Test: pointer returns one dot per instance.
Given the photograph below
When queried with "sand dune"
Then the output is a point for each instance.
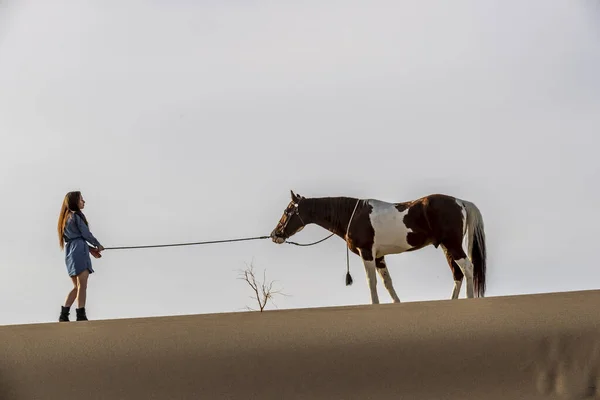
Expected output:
(543, 346)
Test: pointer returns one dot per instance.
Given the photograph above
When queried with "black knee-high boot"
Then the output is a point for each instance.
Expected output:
(81, 314)
(64, 314)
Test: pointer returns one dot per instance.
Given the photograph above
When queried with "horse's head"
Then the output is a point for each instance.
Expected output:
(290, 222)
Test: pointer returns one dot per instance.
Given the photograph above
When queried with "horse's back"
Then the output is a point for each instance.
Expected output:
(383, 209)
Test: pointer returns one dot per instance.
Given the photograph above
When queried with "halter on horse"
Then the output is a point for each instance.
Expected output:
(373, 229)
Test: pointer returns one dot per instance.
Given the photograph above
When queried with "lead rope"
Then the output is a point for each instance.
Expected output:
(211, 242)
(348, 276)
(186, 244)
(310, 244)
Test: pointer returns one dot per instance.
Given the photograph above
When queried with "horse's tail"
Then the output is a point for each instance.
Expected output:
(476, 247)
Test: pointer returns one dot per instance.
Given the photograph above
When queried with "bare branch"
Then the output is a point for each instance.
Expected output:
(263, 291)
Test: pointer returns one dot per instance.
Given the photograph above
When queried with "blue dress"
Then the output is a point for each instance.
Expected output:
(77, 252)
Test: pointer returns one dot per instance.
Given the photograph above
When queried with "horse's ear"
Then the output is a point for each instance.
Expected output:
(295, 197)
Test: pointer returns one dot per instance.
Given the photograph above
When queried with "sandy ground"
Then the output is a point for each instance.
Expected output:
(543, 346)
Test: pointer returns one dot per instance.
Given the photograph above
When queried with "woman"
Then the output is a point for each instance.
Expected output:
(73, 235)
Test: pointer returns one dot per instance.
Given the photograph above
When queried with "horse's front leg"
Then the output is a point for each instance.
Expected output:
(370, 269)
(387, 278)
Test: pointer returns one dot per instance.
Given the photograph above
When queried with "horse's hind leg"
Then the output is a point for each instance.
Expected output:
(456, 273)
(387, 279)
(466, 266)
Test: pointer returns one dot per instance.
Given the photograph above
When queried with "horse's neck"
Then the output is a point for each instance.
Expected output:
(331, 213)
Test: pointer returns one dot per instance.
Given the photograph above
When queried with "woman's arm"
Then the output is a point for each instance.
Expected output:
(85, 232)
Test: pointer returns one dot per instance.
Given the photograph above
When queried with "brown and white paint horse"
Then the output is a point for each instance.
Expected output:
(373, 229)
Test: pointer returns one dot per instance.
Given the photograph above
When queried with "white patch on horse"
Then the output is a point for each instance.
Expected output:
(465, 226)
(390, 231)
(463, 212)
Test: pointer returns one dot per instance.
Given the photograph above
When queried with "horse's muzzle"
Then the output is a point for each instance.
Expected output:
(276, 238)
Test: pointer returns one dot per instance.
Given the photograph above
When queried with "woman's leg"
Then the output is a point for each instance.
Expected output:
(72, 294)
(82, 280)
(64, 310)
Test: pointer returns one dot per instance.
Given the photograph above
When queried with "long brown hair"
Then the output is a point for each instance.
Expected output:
(70, 205)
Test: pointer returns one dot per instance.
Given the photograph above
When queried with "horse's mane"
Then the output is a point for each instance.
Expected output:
(334, 210)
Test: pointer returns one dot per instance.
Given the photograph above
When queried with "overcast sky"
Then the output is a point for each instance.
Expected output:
(192, 120)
